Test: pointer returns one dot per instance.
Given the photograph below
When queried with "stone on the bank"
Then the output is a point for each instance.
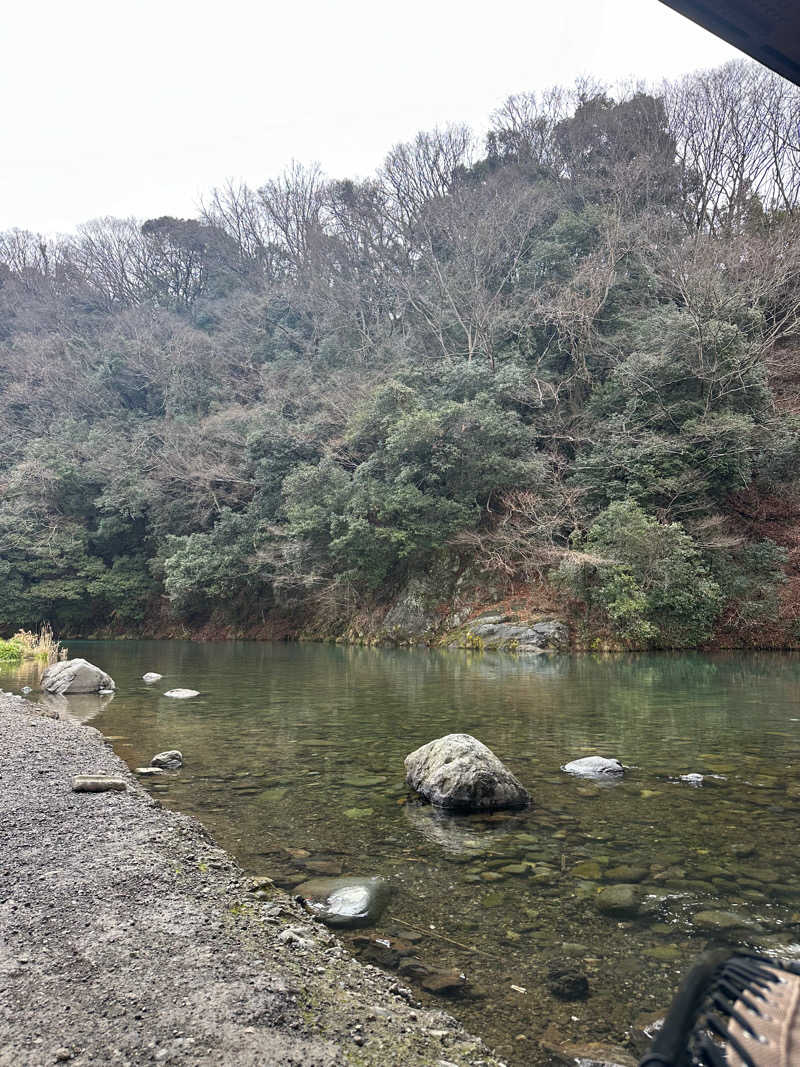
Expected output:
(621, 901)
(345, 902)
(97, 783)
(182, 694)
(75, 676)
(169, 761)
(151, 677)
(594, 767)
(459, 773)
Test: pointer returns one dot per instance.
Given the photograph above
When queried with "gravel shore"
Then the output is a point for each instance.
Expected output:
(128, 937)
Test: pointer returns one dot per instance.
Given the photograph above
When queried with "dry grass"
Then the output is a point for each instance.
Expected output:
(41, 646)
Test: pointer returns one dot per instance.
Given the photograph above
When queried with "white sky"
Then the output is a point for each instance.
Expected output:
(139, 107)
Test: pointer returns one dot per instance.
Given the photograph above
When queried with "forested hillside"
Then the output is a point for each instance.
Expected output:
(562, 357)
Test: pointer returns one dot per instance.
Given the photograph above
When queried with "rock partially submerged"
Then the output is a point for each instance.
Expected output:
(182, 694)
(151, 677)
(345, 902)
(460, 773)
(595, 767)
(168, 761)
(76, 676)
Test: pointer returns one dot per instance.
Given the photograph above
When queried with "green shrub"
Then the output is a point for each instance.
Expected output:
(647, 577)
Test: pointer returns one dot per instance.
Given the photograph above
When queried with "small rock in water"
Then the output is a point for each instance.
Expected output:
(148, 772)
(97, 783)
(594, 767)
(622, 901)
(170, 760)
(594, 1054)
(345, 902)
(322, 866)
(692, 779)
(444, 982)
(459, 773)
(182, 694)
(151, 677)
(714, 921)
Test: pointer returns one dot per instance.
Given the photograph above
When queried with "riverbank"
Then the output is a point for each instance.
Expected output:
(129, 937)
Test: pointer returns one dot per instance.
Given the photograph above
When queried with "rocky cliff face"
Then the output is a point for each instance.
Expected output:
(451, 607)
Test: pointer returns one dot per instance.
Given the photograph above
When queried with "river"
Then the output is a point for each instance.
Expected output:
(294, 760)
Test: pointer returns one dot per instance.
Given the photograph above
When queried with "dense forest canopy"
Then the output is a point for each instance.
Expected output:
(565, 354)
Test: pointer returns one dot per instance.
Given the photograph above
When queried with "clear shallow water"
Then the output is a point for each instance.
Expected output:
(294, 756)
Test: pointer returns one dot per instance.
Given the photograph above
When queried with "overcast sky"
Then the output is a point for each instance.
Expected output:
(138, 108)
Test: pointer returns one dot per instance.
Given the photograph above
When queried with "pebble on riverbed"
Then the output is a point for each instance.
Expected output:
(182, 694)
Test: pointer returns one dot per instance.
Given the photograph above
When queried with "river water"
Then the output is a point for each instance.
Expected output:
(294, 760)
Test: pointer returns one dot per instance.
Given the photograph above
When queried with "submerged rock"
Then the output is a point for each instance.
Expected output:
(566, 980)
(594, 767)
(621, 901)
(445, 983)
(717, 922)
(151, 677)
(345, 902)
(459, 773)
(182, 694)
(595, 1054)
(76, 676)
(169, 761)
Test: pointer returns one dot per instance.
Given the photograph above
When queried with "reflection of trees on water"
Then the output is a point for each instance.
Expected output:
(454, 833)
(15, 676)
(372, 706)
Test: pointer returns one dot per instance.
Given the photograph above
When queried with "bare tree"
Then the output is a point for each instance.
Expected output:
(423, 170)
(738, 145)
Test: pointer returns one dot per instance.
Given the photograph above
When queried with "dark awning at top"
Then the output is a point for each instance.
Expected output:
(767, 30)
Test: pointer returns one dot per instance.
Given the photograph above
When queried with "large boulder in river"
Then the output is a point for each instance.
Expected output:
(459, 773)
(345, 902)
(75, 676)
